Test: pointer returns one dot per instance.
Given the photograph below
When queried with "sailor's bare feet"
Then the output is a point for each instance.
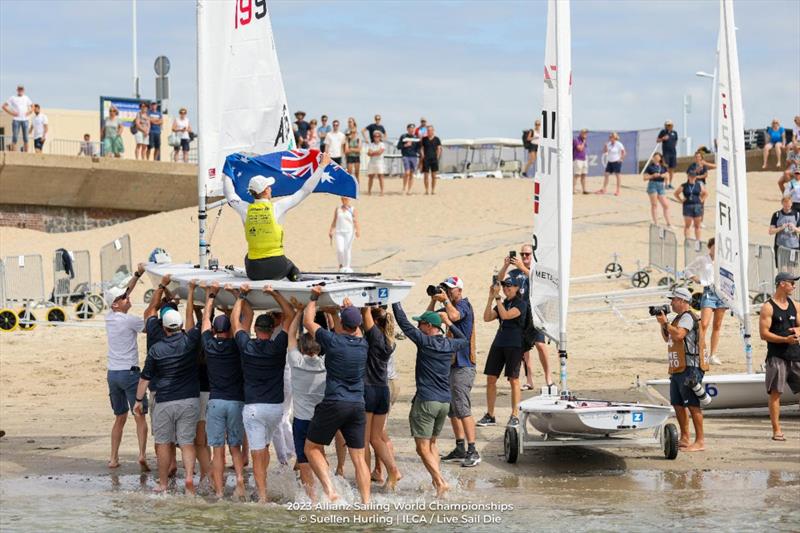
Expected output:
(340, 471)
(683, 442)
(160, 489)
(332, 497)
(695, 447)
(190, 486)
(441, 490)
(113, 463)
(601, 191)
(143, 466)
(173, 471)
(238, 492)
(376, 477)
(394, 477)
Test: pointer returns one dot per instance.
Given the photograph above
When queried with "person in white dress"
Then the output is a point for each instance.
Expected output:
(375, 167)
(344, 229)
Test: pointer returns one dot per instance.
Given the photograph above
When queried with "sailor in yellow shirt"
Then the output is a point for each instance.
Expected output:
(263, 224)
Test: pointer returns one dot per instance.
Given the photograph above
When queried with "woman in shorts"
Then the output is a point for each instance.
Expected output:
(376, 167)
(614, 152)
(532, 145)
(182, 129)
(654, 175)
(352, 152)
(701, 270)
(692, 195)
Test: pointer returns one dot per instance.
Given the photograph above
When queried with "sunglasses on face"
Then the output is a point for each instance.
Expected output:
(525, 254)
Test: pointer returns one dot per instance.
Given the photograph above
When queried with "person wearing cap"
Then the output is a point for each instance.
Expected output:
(507, 348)
(580, 166)
(523, 264)
(431, 403)
(687, 366)
(224, 417)
(122, 330)
(342, 407)
(263, 224)
(779, 326)
(173, 361)
(263, 360)
(668, 138)
(785, 225)
(462, 371)
(19, 107)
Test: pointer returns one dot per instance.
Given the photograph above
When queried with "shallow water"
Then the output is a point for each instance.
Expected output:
(636, 500)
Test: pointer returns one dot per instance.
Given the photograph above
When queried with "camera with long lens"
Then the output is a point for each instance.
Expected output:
(433, 290)
(699, 391)
(656, 310)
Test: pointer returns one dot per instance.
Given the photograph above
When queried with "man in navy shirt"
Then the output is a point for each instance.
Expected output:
(668, 138)
(342, 407)
(370, 130)
(173, 361)
(431, 403)
(408, 144)
(263, 361)
(462, 371)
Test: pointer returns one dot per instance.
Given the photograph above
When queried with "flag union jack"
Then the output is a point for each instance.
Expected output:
(300, 163)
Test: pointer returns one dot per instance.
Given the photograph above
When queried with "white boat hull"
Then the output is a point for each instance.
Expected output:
(731, 391)
(361, 291)
(552, 415)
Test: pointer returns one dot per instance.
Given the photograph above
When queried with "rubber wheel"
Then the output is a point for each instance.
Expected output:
(613, 270)
(696, 300)
(24, 314)
(511, 444)
(56, 314)
(8, 320)
(97, 302)
(640, 279)
(760, 298)
(666, 281)
(148, 295)
(84, 310)
(670, 441)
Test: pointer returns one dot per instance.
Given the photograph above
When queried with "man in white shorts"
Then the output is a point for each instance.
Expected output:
(580, 166)
(263, 362)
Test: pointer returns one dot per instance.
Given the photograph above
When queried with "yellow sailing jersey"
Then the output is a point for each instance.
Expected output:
(264, 234)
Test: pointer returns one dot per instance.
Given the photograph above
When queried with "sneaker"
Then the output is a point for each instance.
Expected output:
(513, 421)
(486, 421)
(456, 456)
(714, 360)
(472, 459)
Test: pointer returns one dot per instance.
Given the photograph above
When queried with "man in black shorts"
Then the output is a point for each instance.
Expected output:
(430, 152)
(668, 138)
(779, 325)
(342, 407)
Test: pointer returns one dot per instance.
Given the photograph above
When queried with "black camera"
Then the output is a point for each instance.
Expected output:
(656, 310)
(433, 290)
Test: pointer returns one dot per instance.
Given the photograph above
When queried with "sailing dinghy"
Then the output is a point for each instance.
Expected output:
(242, 108)
(564, 419)
(731, 391)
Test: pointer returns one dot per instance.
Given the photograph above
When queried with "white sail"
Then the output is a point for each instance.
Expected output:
(552, 236)
(730, 262)
(240, 95)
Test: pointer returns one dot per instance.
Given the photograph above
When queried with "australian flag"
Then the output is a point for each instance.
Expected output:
(290, 169)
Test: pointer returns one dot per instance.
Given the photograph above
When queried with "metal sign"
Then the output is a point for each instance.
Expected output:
(161, 65)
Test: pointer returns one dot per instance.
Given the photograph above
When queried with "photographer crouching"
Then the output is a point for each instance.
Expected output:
(687, 366)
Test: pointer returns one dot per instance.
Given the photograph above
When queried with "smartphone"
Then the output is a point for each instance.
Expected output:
(494, 279)
(512, 253)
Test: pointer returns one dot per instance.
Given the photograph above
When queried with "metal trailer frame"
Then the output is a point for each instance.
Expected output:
(660, 256)
(614, 271)
(761, 272)
(692, 249)
(79, 292)
(115, 262)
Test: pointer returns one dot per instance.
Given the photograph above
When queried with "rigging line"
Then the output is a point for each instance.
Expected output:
(214, 227)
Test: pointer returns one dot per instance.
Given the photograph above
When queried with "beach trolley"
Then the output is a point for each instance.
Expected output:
(23, 288)
(551, 420)
(663, 254)
(761, 272)
(455, 158)
(494, 158)
(72, 283)
(8, 318)
(115, 263)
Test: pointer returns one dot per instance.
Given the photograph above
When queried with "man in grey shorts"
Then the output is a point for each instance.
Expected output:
(462, 371)
(173, 361)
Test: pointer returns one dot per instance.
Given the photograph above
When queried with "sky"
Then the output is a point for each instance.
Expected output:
(472, 68)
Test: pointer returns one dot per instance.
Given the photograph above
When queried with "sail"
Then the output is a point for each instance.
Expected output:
(240, 95)
(730, 262)
(552, 205)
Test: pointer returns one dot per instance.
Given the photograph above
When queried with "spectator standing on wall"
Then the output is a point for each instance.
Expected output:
(668, 138)
(19, 107)
(323, 130)
(39, 128)
(112, 138)
(154, 140)
(142, 135)
(183, 129)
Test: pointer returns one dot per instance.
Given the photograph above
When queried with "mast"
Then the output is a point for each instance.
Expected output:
(201, 181)
(732, 232)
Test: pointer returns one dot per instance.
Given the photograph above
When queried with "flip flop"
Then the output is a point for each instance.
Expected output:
(779, 438)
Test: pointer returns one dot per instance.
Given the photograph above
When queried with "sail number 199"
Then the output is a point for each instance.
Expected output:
(245, 11)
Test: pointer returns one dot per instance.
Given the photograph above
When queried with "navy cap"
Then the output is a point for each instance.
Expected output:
(785, 276)
(221, 324)
(351, 317)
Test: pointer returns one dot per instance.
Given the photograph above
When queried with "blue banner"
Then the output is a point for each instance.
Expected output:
(290, 169)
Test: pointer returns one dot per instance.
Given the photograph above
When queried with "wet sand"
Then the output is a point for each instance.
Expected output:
(54, 404)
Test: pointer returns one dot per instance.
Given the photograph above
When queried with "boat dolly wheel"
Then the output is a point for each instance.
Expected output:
(148, 295)
(511, 444)
(665, 281)
(56, 314)
(85, 310)
(26, 316)
(760, 298)
(696, 300)
(8, 320)
(640, 279)
(613, 270)
(670, 442)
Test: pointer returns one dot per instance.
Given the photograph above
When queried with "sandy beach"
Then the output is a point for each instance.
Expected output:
(53, 396)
